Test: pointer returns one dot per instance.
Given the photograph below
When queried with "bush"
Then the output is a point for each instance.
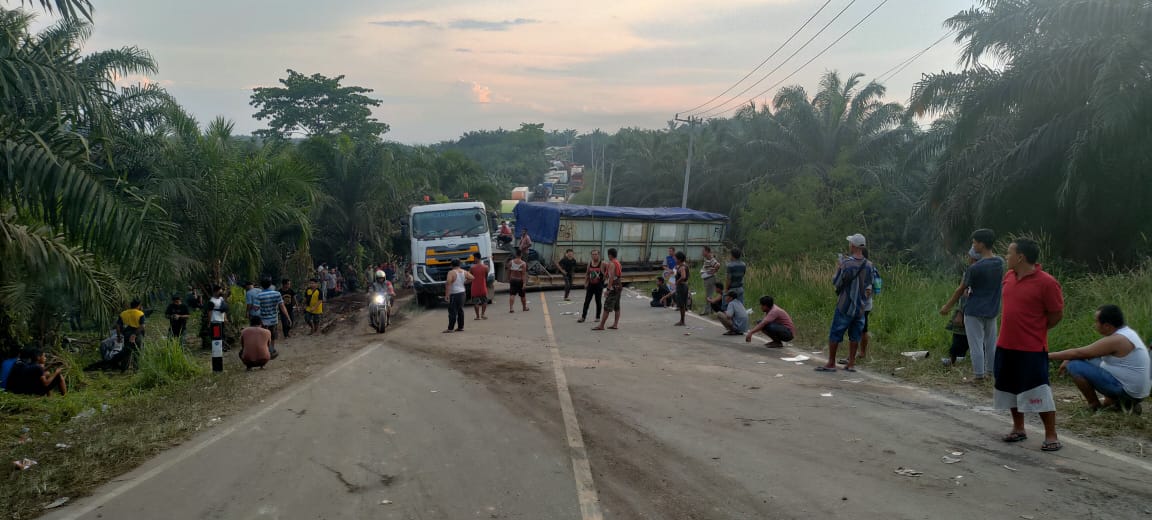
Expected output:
(163, 362)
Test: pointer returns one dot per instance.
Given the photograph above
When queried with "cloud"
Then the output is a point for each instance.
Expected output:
(404, 23)
(481, 94)
(472, 24)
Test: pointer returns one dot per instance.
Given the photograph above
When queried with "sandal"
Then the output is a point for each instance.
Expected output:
(581, 320)
(824, 369)
(1051, 446)
(1015, 437)
(849, 369)
(597, 328)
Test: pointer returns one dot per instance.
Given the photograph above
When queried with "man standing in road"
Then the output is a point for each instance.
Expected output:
(271, 306)
(681, 295)
(1033, 303)
(853, 282)
(981, 283)
(1115, 366)
(708, 274)
(517, 268)
(251, 299)
(593, 285)
(776, 324)
(567, 266)
(313, 305)
(613, 279)
(479, 273)
(289, 296)
(735, 269)
(525, 243)
(455, 289)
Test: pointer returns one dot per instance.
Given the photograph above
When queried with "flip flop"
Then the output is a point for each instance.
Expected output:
(449, 331)
(597, 328)
(1015, 437)
(1051, 446)
(824, 369)
(613, 327)
(581, 320)
(849, 369)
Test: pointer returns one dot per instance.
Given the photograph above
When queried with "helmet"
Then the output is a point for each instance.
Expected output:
(379, 274)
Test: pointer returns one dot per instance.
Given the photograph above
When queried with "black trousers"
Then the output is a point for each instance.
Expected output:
(591, 291)
(456, 311)
(285, 321)
(567, 285)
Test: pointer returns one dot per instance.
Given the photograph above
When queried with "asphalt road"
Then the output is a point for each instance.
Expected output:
(674, 423)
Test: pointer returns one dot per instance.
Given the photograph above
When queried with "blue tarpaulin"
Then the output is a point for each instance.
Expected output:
(542, 219)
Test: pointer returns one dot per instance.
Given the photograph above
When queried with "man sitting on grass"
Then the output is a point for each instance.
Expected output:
(735, 316)
(30, 378)
(776, 324)
(1115, 366)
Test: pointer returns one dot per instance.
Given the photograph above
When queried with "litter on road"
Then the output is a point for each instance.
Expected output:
(56, 503)
(385, 502)
(800, 357)
(908, 472)
(915, 354)
(1009, 468)
(949, 460)
(826, 394)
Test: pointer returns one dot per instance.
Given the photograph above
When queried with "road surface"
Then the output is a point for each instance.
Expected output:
(664, 423)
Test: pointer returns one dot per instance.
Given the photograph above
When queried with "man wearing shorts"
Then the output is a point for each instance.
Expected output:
(613, 272)
(313, 305)
(516, 269)
(853, 282)
(1115, 366)
(1033, 303)
(479, 289)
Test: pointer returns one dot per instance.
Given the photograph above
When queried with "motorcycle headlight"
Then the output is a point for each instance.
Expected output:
(378, 299)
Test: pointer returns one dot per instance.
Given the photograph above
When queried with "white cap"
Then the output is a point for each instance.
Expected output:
(857, 240)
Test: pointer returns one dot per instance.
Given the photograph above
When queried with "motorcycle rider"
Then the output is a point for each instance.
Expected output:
(383, 285)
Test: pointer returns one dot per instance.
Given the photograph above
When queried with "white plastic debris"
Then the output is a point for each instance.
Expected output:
(57, 503)
(957, 453)
(1009, 468)
(385, 502)
(949, 460)
(826, 394)
(24, 464)
(63, 446)
(915, 354)
(908, 472)
(799, 357)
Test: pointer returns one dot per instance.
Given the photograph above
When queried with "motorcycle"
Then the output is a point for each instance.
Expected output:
(378, 312)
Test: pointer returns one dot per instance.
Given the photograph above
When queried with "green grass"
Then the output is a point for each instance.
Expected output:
(164, 362)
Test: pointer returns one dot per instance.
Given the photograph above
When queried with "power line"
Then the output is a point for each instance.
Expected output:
(899, 67)
(753, 71)
(812, 59)
(777, 67)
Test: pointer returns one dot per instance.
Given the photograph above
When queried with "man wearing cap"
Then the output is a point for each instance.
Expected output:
(853, 283)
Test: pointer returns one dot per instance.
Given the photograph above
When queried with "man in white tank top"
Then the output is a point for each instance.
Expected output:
(1116, 366)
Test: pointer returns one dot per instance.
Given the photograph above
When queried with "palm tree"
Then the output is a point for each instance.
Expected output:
(54, 120)
(1057, 138)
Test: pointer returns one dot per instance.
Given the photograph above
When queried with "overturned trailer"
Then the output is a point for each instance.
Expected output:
(641, 237)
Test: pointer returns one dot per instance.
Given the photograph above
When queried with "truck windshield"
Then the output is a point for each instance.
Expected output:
(449, 223)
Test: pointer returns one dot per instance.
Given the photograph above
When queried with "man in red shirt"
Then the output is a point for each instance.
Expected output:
(1033, 303)
(480, 289)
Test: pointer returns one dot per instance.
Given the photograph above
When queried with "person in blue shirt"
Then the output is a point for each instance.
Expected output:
(853, 282)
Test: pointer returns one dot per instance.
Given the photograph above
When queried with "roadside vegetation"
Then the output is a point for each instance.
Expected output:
(113, 191)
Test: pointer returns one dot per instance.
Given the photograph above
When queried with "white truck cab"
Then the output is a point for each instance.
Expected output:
(441, 233)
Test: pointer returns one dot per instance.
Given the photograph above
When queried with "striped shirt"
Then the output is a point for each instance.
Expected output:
(269, 301)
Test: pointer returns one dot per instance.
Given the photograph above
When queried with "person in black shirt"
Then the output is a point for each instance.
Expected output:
(660, 294)
(178, 314)
(30, 378)
(289, 295)
(567, 267)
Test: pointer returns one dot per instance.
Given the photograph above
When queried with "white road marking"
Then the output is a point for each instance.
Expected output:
(581, 469)
(96, 502)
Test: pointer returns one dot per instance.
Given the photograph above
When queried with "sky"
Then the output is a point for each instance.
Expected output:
(445, 67)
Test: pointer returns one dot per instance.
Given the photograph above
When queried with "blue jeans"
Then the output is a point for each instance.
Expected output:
(1104, 382)
(841, 323)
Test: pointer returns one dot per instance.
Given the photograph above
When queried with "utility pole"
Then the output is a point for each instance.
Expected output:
(692, 122)
(611, 174)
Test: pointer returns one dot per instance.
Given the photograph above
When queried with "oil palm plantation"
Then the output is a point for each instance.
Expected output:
(1052, 123)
